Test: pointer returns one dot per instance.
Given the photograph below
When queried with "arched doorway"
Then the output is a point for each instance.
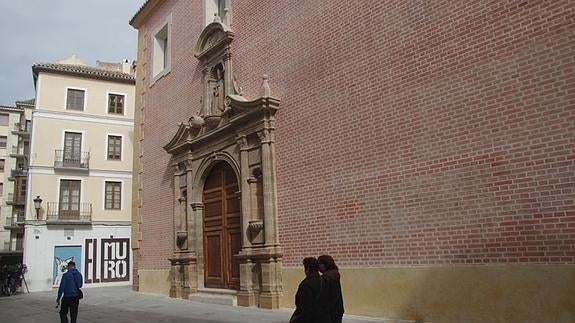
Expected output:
(222, 228)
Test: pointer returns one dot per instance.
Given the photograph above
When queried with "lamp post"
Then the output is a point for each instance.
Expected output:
(37, 206)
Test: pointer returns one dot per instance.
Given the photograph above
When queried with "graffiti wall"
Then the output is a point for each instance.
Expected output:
(62, 256)
(107, 260)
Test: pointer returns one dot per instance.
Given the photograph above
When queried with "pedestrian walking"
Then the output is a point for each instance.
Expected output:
(330, 271)
(312, 297)
(70, 293)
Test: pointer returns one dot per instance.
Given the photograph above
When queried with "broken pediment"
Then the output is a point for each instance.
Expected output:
(238, 113)
(214, 37)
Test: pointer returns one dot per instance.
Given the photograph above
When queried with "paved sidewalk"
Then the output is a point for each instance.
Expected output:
(121, 304)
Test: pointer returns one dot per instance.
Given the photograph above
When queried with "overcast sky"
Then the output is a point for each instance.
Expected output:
(38, 31)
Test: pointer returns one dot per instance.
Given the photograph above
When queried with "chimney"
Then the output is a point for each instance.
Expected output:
(126, 66)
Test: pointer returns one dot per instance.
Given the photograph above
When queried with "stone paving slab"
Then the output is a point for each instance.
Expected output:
(122, 305)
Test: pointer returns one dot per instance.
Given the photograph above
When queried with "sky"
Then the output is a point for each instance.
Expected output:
(40, 31)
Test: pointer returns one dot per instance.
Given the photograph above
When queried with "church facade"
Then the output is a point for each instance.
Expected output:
(428, 147)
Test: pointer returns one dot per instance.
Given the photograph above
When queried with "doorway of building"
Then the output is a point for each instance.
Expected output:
(222, 228)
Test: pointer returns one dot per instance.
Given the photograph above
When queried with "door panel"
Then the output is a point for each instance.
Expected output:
(214, 272)
(222, 228)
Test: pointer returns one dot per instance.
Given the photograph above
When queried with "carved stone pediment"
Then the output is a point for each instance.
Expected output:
(185, 134)
(213, 38)
(238, 112)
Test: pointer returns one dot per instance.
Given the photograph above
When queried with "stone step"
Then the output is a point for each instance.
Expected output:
(215, 296)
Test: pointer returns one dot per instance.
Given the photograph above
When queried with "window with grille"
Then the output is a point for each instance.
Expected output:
(3, 141)
(75, 100)
(116, 103)
(114, 147)
(113, 195)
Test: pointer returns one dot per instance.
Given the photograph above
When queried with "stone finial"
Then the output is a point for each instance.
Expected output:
(265, 91)
(217, 18)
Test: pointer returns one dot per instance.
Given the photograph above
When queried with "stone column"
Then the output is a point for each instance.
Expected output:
(245, 189)
(228, 76)
(207, 95)
(191, 221)
(195, 272)
(269, 192)
(177, 208)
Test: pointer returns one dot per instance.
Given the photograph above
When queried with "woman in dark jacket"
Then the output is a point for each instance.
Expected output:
(330, 271)
(312, 299)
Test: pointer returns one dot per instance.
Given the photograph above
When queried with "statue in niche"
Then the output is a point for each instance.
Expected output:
(218, 92)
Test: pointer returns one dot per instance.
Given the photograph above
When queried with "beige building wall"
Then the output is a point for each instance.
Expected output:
(95, 131)
(52, 228)
(52, 89)
(52, 120)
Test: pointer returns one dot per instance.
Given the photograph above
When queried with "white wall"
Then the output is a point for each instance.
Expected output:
(40, 240)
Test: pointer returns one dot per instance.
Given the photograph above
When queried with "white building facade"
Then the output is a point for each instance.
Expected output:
(80, 175)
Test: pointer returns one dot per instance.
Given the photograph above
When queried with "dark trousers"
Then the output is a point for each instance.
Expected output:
(69, 303)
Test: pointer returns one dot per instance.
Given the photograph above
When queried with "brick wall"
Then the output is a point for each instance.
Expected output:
(169, 101)
(410, 132)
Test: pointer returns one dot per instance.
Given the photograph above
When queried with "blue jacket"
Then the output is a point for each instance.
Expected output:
(68, 286)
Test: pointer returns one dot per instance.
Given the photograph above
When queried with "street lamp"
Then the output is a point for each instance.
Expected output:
(37, 206)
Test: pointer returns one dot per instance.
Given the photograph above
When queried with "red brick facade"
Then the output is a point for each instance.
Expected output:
(409, 132)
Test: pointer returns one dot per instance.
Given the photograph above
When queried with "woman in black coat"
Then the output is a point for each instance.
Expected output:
(330, 271)
(312, 299)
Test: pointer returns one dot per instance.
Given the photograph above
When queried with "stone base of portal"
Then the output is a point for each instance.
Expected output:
(183, 275)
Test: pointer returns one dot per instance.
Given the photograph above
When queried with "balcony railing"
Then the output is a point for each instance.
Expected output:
(67, 159)
(73, 213)
(18, 172)
(20, 128)
(18, 151)
(10, 199)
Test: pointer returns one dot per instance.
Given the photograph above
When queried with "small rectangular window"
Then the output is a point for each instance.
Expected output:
(1, 189)
(4, 119)
(3, 141)
(2, 162)
(75, 100)
(114, 147)
(116, 103)
(161, 51)
(113, 196)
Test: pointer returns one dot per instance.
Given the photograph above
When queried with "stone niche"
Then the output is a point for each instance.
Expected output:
(239, 132)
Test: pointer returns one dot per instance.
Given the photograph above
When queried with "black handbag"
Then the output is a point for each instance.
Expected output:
(80, 293)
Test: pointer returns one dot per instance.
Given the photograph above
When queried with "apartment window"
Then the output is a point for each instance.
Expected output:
(113, 195)
(4, 119)
(3, 140)
(69, 204)
(1, 189)
(116, 103)
(114, 147)
(2, 162)
(161, 52)
(75, 100)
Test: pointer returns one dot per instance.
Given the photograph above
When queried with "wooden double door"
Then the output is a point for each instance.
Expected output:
(222, 228)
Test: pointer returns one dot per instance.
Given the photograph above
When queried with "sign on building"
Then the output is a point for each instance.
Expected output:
(107, 260)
